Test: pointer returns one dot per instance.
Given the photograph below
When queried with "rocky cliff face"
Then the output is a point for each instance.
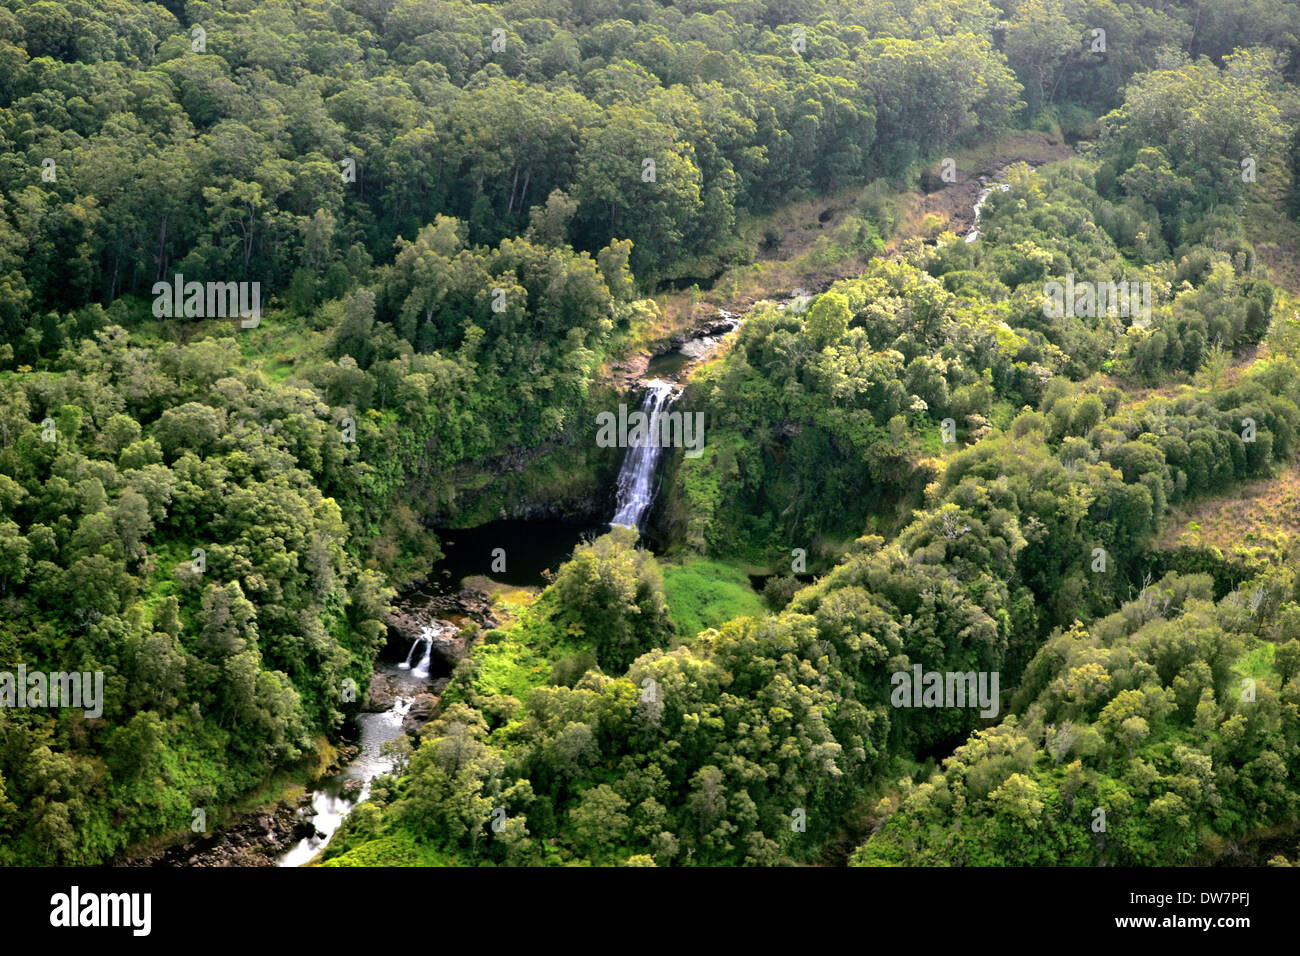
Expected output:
(565, 476)
(255, 839)
(458, 619)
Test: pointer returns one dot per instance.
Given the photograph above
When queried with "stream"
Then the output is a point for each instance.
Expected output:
(535, 548)
(337, 795)
(985, 193)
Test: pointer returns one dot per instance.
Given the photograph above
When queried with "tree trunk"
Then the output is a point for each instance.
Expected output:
(1060, 76)
(524, 195)
(162, 241)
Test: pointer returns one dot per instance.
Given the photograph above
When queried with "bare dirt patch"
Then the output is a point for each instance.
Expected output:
(954, 204)
(800, 245)
(1253, 513)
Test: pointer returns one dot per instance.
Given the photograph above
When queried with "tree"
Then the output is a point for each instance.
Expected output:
(828, 319)
(598, 820)
(613, 591)
(622, 195)
(1286, 659)
(229, 622)
(549, 224)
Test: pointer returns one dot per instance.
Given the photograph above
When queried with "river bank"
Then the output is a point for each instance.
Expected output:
(302, 808)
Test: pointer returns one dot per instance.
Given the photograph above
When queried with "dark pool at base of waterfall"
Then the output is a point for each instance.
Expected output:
(531, 548)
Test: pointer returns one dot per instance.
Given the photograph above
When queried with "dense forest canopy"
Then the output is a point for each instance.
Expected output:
(459, 217)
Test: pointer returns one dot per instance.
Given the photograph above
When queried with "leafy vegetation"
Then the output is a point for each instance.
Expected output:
(458, 216)
(703, 594)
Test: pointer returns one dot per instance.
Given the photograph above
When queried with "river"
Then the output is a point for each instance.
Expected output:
(337, 795)
(531, 549)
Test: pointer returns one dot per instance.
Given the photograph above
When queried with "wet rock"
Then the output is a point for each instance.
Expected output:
(408, 623)
(417, 611)
(344, 755)
(303, 829)
(720, 323)
(451, 645)
(627, 374)
(698, 347)
(256, 839)
(425, 707)
(476, 605)
(380, 695)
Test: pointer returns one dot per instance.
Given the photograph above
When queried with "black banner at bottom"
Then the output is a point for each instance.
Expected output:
(219, 906)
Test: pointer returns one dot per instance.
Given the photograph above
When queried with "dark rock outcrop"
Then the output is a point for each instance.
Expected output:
(424, 708)
(258, 839)
(380, 696)
(451, 646)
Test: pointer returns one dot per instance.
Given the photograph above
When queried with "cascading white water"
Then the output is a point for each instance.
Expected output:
(636, 477)
(334, 799)
(406, 664)
(425, 637)
(422, 669)
(331, 804)
(985, 193)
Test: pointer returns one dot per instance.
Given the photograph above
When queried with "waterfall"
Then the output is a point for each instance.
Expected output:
(985, 193)
(337, 795)
(636, 477)
(422, 669)
(425, 637)
(406, 664)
